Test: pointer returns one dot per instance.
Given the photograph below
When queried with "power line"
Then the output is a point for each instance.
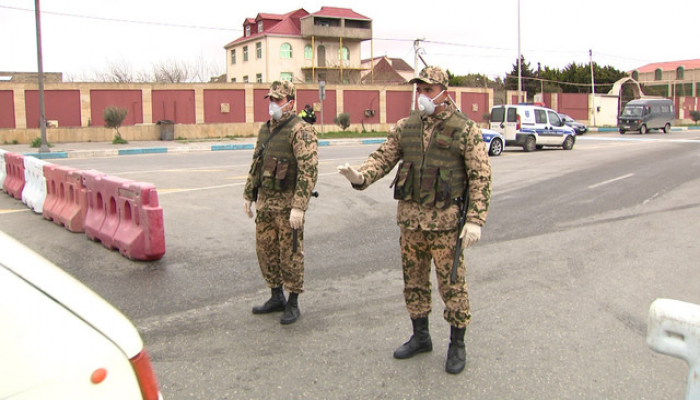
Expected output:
(124, 20)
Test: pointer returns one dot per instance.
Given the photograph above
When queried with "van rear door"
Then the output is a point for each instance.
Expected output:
(505, 120)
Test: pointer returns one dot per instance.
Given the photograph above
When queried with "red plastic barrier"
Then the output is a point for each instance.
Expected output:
(72, 216)
(14, 181)
(95, 215)
(56, 182)
(141, 234)
(107, 193)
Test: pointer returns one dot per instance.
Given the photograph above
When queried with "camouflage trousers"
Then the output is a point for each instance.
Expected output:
(280, 266)
(418, 249)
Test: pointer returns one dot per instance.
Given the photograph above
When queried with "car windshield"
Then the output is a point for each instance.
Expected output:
(566, 118)
(632, 111)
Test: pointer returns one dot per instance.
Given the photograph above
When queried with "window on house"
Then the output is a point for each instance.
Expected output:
(247, 30)
(308, 52)
(286, 76)
(258, 78)
(658, 74)
(260, 27)
(245, 79)
(308, 78)
(245, 53)
(233, 56)
(680, 73)
(286, 50)
(258, 50)
(344, 54)
(233, 80)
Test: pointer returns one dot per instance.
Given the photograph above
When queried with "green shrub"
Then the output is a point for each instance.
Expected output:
(119, 140)
(342, 120)
(695, 115)
(113, 117)
(36, 143)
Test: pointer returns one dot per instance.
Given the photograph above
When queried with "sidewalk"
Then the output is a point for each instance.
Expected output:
(107, 149)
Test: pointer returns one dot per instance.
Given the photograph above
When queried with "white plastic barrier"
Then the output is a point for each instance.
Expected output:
(3, 172)
(674, 329)
(34, 192)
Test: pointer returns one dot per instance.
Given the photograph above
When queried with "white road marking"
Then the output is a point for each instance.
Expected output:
(611, 181)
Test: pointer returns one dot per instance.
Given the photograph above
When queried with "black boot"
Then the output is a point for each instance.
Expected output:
(291, 311)
(456, 354)
(420, 341)
(275, 303)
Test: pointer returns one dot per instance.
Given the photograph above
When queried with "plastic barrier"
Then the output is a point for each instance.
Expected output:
(34, 193)
(674, 329)
(141, 234)
(56, 182)
(14, 181)
(102, 220)
(72, 216)
(3, 172)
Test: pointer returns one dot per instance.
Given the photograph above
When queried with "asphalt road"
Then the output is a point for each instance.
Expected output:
(577, 246)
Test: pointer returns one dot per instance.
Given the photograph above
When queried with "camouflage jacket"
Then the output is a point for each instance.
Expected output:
(410, 214)
(304, 144)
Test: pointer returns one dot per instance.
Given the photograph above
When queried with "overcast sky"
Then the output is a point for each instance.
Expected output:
(83, 36)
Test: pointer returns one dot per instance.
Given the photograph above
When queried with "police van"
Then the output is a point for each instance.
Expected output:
(531, 127)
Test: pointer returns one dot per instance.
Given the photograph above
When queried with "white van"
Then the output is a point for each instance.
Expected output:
(531, 127)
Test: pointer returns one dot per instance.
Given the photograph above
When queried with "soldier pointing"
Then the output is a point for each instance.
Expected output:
(440, 153)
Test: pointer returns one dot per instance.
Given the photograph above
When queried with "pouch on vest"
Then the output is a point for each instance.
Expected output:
(443, 141)
(428, 183)
(443, 196)
(269, 173)
(281, 175)
(403, 182)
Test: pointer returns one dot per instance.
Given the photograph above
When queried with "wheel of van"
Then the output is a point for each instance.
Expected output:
(667, 128)
(568, 143)
(530, 144)
(539, 147)
(622, 131)
(643, 130)
(496, 147)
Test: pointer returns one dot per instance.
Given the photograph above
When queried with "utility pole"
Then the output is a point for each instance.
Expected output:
(44, 148)
(520, 62)
(590, 53)
(416, 57)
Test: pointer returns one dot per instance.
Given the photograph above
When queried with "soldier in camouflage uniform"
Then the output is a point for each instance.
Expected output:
(441, 151)
(280, 182)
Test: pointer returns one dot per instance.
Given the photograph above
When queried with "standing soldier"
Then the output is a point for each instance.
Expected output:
(441, 153)
(281, 180)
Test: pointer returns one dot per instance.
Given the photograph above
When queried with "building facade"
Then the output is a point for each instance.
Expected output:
(300, 47)
(670, 79)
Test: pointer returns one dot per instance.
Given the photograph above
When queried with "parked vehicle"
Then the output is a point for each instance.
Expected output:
(531, 127)
(495, 142)
(642, 115)
(60, 340)
(578, 127)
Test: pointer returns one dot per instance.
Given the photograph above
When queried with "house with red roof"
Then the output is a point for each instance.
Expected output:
(670, 78)
(300, 47)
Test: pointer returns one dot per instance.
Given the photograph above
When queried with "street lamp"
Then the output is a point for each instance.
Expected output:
(44, 148)
(520, 62)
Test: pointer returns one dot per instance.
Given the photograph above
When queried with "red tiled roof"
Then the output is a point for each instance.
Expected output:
(288, 25)
(670, 66)
(339, 13)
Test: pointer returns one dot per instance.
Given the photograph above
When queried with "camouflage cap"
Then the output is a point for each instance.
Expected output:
(280, 90)
(432, 76)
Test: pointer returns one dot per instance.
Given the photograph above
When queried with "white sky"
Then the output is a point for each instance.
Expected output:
(83, 36)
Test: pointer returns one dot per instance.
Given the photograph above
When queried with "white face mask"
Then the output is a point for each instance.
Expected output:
(426, 105)
(276, 110)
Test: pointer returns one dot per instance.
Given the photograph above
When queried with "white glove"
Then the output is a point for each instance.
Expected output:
(296, 218)
(471, 233)
(351, 174)
(247, 208)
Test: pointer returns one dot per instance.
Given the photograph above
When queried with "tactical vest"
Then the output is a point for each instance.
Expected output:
(435, 177)
(276, 167)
